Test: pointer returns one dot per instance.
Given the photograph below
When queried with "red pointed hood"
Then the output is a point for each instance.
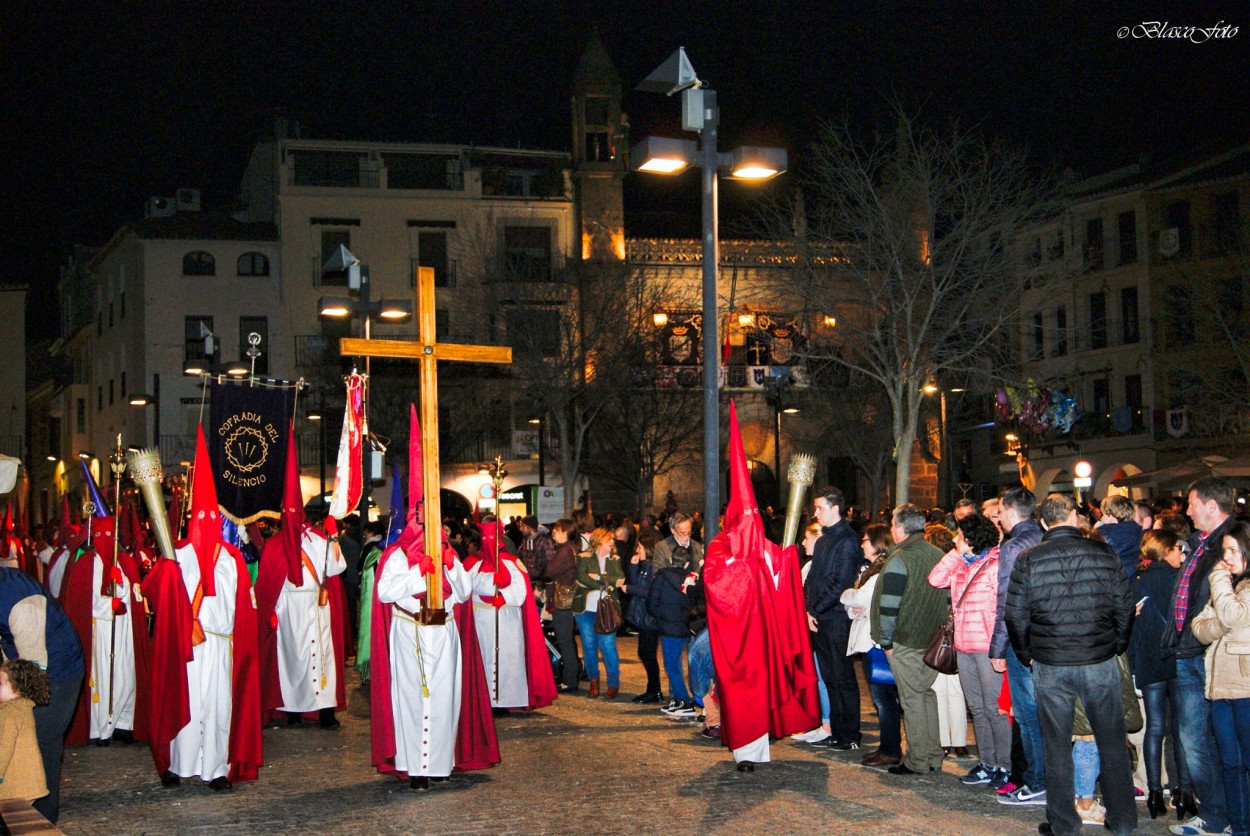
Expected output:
(204, 529)
(412, 538)
(103, 534)
(292, 514)
(742, 514)
(64, 526)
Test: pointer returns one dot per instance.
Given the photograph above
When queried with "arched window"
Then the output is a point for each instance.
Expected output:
(253, 264)
(199, 263)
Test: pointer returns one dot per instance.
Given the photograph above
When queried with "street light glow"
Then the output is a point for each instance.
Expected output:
(334, 306)
(662, 165)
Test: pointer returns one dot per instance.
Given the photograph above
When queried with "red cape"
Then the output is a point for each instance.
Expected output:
(539, 678)
(269, 580)
(167, 596)
(77, 601)
(765, 675)
(477, 746)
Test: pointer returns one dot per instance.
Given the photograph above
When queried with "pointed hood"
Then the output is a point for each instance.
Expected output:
(204, 529)
(292, 532)
(93, 492)
(103, 535)
(412, 538)
(398, 515)
(65, 525)
(742, 514)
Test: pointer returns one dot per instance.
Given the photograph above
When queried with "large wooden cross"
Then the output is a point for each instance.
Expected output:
(427, 352)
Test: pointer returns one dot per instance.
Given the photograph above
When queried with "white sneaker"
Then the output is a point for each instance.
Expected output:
(1095, 815)
(1194, 827)
(816, 736)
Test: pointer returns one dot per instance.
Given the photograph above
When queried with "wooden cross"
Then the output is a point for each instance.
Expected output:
(427, 352)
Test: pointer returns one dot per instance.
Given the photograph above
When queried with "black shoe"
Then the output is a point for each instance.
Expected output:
(1044, 827)
(439, 780)
(901, 769)
(327, 720)
(169, 779)
(565, 689)
(1155, 804)
(124, 736)
(647, 698)
(420, 783)
(293, 719)
(220, 785)
(746, 766)
(500, 712)
(960, 751)
(844, 746)
(102, 741)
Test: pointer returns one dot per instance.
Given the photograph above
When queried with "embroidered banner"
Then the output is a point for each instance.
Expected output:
(247, 441)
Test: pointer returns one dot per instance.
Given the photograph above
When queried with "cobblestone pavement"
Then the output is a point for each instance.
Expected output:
(580, 765)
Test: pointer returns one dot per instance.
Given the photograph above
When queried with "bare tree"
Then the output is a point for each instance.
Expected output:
(927, 273)
(1205, 357)
(646, 431)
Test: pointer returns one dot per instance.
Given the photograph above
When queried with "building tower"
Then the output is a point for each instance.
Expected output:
(600, 155)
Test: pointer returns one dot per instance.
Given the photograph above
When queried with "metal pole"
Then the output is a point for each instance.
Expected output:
(711, 341)
(322, 424)
(777, 444)
(365, 480)
(156, 420)
(944, 463)
(542, 476)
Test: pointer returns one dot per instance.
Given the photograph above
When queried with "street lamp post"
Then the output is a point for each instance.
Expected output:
(701, 115)
(342, 261)
(153, 400)
(542, 478)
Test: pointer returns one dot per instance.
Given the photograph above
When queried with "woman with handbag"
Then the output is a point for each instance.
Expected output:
(599, 577)
(858, 601)
(970, 571)
(561, 572)
(1224, 625)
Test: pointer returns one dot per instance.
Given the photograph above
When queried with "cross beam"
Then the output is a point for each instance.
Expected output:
(427, 352)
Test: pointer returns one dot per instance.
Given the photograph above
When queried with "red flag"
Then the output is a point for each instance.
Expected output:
(348, 476)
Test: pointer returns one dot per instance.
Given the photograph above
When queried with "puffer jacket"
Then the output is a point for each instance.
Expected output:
(1224, 626)
(976, 609)
(1068, 602)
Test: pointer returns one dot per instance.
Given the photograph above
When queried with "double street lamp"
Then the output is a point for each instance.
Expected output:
(661, 155)
(341, 307)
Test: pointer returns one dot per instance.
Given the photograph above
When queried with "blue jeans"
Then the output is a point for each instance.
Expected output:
(1024, 709)
(699, 657)
(1163, 719)
(824, 692)
(1231, 719)
(1198, 741)
(1098, 687)
(592, 643)
(1085, 766)
(51, 723)
(672, 648)
(889, 713)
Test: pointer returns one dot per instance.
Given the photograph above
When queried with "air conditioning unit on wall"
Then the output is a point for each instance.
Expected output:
(159, 207)
(188, 200)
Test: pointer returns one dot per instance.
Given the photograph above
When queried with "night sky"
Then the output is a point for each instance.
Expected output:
(111, 103)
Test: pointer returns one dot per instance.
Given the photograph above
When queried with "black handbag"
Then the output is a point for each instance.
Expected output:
(940, 652)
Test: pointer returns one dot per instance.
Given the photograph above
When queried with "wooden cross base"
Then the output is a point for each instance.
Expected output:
(430, 617)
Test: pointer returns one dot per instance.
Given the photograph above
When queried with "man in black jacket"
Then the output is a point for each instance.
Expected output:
(836, 562)
(1211, 504)
(1069, 613)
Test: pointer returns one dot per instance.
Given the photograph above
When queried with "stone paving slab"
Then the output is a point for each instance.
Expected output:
(609, 767)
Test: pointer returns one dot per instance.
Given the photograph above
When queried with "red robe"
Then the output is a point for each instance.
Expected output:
(539, 680)
(477, 746)
(270, 578)
(171, 650)
(765, 675)
(76, 600)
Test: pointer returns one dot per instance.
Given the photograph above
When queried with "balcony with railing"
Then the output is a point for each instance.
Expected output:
(1109, 333)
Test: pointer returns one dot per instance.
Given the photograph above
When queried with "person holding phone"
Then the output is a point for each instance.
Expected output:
(1224, 625)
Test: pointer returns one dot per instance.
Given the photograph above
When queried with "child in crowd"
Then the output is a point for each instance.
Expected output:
(22, 685)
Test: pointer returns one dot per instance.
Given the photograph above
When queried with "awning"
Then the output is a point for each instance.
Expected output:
(1177, 476)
